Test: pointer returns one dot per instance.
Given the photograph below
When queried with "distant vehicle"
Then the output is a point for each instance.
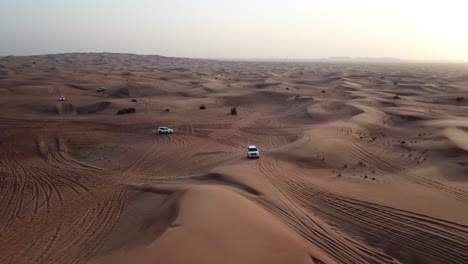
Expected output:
(252, 152)
(101, 89)
(165, 130)
(62, 98)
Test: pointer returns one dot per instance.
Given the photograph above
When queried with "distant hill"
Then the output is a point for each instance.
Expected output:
(359, 59)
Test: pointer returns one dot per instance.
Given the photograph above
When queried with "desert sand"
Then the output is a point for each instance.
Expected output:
(360, 163)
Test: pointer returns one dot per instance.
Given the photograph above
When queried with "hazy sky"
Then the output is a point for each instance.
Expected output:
(408, 29)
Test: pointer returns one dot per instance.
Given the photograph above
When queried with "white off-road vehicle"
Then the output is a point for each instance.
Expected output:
(252, 152)
(165, 130)
(62, 98)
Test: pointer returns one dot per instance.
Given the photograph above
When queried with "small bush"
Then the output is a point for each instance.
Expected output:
(323, 91)
(459, 99)
(396, 97)
(233, 111)
(202, 107)
(134, 100)
(126, 111)
(167, 110)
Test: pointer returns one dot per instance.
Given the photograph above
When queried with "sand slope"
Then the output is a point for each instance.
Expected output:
(359, 163)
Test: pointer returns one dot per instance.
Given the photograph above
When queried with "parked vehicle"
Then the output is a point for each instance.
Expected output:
(62, 98)
(252, 152)
(101, 89)
(165, 130)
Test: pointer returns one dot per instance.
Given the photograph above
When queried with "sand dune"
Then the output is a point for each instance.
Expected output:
(360, 163)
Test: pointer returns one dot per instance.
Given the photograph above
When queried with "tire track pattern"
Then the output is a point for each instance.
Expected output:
(408, 236)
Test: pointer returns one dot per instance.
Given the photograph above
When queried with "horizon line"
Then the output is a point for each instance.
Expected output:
(349, 59)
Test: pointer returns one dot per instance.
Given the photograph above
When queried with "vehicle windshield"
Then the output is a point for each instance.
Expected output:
(252, 149)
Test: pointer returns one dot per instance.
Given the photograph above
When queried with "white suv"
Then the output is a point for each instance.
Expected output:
(165, 130)
(252, 152)
(62, 98)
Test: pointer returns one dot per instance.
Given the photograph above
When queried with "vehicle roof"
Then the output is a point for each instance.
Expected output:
(163, 127)
(252, 146)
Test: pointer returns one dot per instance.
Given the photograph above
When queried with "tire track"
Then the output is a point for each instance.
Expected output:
(316, 233)
(418, 235)
(390, 167)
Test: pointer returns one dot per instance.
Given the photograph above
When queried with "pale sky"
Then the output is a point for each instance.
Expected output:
(269, 29)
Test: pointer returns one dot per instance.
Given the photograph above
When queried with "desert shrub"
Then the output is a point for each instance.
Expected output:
(233, 111)
(459, 99)
(126, 111)
(323, 91)
(396, 97)
(167, 110)
(126, 73)
(202, 107)
(134, 100)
